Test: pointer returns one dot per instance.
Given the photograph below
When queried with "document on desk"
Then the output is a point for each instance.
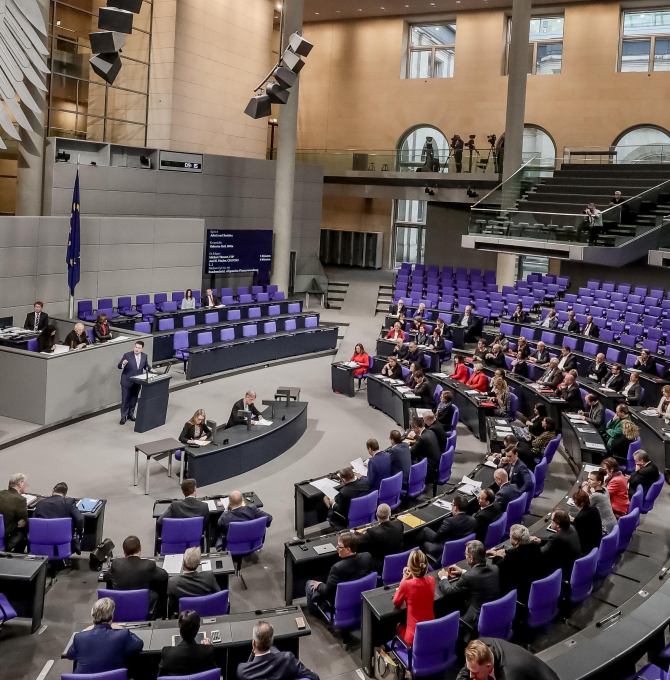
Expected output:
(172, 563)
(472, 392)
(421, 411)
(263, 422)
(491, 464)
(649, 412)
(404, 389)
(199, 442)
(359, 468)
(119, 338)
(211, 506)
(440, 375)
(441, 503)
(327, 486)
(325, 549)
(573, 417)
(206, 565)
(411, 521)
(591, 468)
(351, 364)
(595, 447)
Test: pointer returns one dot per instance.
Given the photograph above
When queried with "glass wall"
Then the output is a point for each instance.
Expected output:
(645, 41)
(409, 232)
(412, 145)
(643, 145)
(545, 49)
(431, 51)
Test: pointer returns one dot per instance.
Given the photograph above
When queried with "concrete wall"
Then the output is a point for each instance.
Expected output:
(119, 256)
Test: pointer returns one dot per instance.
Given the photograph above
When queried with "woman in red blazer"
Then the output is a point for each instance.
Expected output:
(478, 379)
(460, 369)
(396, 332)
(617, 487)
(361, 358)
(418, 590)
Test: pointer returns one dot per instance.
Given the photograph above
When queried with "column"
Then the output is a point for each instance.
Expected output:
(288, 132)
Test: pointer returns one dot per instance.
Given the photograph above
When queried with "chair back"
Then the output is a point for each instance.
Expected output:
(437, 393)
(250, 330)
(234, 315)
(213, 674)
(164, 324)
(178, 296)
(143, 326)
(446, 462)
(393, 566)
(454, 421)
(607, 553)
(216, 604)
(51, 537)
(270, 327)
(179, 340)
(169, 306)
(637, 499)
(529, 494)
(293, 308)
(179, 534)
(495, 532)
(632, 448)
(454, 551)
(515, 512)
(627, 525)
(434, 647)
(362, 510)
(188, 321)
(274, 310)
(652, 494)
(227, 334)
(583, 573)
(609, 414)
(495, 618)
(289, 325)
(313, 322)
(349, 601)
(212, 317)
(32, 345)
(119, 674)
(129, 605)
(205, 338)
(254, 312)
(244, 538)
(417, 478)
(390, 490)
(551, 448)
(543, 600)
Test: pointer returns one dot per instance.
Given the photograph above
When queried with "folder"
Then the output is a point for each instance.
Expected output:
(411, 521)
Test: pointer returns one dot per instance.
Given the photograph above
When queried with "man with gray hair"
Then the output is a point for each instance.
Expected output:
(103, 646)
(267, 662)
(383, 539)
(191, 582)
(77, 338)
(246, 404)
(14, 511)
(435, 426)
(506, 492)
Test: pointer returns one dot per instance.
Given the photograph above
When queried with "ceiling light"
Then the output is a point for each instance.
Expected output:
(278, 6)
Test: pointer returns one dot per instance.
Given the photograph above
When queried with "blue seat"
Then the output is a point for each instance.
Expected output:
(246, 298)
(289, 325)
(216, 604)
(129, 605)
(212, 317)
(393, 567)
(205, 338)
(143, 326)
(495, 532)
(543, 600)
(636, 500)
(119, 674)
(269, 327)
(244, 538)
(7, 612)
(179, 534)
(32, 345)
(652, 495)
(163, 325)
(581, 580)
(214, 674)
(188, 321)
(51, 537)
(496, 618)
(627, 525)
(607, 553)
(227, 334)
(454, 551)
(311, 321)
(274, 310)
(148, 312)
(417, 479)
(180, 345)
(234, 315)
(169, 306)
(362, 509)
(515, 512)
(254, 312)
(249, 331)
(347, 608)
(390, 490)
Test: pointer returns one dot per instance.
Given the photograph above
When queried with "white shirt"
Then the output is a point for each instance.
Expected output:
(561, 363)
(138, 358)
(246, 406)
(545, 323)
(465, 321)
(587, 329)
(627, 388)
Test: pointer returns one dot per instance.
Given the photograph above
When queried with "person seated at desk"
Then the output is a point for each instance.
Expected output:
(59, 506)
(595, 413)
(378, 465)
(400, 350)
(191, 582)
(481, 351)
(590, 330)
(36, 320)
(352, 486)
(489, 511)
(188, 657)
(646, 473)
(534, 424)
(46, 340)
(132, 364)
(561, 549)
(501, 340)
(361, 358)
(633, 390)
(402, 320)
(615, 426)
(210, 300)
(598, 368)
(457, 525)
(550, 321)
(422, 336)
(195, 429)
(617, 487)
(245, 404)
(614, 380)
(552, 376)
(392, 369)
(423, 390)
(444, 331)
(496, 357)
(238, 511)
(415, 326)
(436, 342)
(477, 380)
(401, 456)
(14, 510)
(600, 498)
(540, 355)
(506, 492)
(410, 378)
(460, 369)
(188, 301)
(77, 338)
(417, 589)
(587, 522)
(420, 310)
(426, 446)
(398, 308)
(101, 330)
(502, 397)
(267, 662)
(478, 585)
(571, 325)
(662, 408)
(396, 332)
(516, 469)
(645, 362)
(352, 566)
(189, 507)
(522, 346)
(431, 422)
(467, 320)
(445, 411)
(519, 316)
(382, 539)
(569, 391)
(519, 565)
(520, 365)
(539, 444)
(413, 354)
(103, 646)
(567, 360)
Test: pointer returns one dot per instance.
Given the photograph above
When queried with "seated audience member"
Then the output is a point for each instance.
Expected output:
(392, 369)
(539, 444)
(561, 549)
(519, 316)
(524, 452)
(238, 511)
(350, 488)
(621, 441)
(534, 425)
(402, 319)
(615, 426)
(381, 539)
(567, 361)
(571, 324)
(417, 589)
(422, 336)
(188, 657)
(489, 511)
(210, 300)
(478, 585)
(587, 522)
(540, 355)
(519, 565)
(195, 429)
(517, 471)
(14, 511)
(445, 331)
(432, 424)
(550, 321)
(445, 410)
(46, 340)
(268, 663)
(646, 473)
(633, 390)
(38, 319)
(467, 320)
(614, 380)
(460, 370)
(396, 332)
(416, 323)
(600, 499)
(478, 379)
(552, 376)
(426, 446)
(617, 487)
(398, 308)
(420, 310)
(245, 404)
(188, 507)
(496, 357)
(351, 567)
(481, 351)
(502, 397)
(500, 339)
(103, 646)
(458, 525)
(522, 346)
(378, 465)
(595, 412)
(519, 365)
(188, 301)
(101, 330)
(59, 506)
(506, 492)
(645, 362)
(401, 456)
(436, 342)
(414, 354)
(569, 391)
(77, 338)
(598, 368)
(662, 408)
(423, 390)
(191, 582)
(410, 379)
(400, 350)
(590, 330)
(362, 359)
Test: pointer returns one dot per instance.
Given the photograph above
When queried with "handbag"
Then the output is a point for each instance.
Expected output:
(102, 552)
(387, 665)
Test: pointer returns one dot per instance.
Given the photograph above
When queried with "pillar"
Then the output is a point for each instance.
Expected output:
(286, 145)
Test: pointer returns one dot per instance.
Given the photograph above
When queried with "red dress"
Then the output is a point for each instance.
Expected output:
(461, 373)
(419, 593)
(363, 360)
(478, 382)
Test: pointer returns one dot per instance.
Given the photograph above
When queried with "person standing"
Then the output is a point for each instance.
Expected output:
(37, 319)
(457, 145)
(132, 364)
(418, 591)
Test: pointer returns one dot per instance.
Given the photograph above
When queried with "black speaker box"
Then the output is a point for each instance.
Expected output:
(112, 19)
(106, 42)
(107, 66)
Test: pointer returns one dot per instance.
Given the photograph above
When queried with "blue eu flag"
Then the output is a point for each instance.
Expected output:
(74, 241)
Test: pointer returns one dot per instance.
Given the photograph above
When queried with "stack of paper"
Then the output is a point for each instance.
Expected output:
(359, 467)
(211, 506)
(326, 486)
(411, 521)
(421, 411)
(205, 565)
(351, 364)
(491, 464)
(472, 392)
(440, 375)
(441, 503)
(262, 421)
(596, 447)
(573, 417)
(470, 486)
(591, 468)
(649, 412)
(172, 563)
(202, 442)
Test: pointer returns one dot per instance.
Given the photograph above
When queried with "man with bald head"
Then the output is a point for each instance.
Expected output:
(238, 510)
(540, 355)
(77, 338)
(246, 404)
(506, 492)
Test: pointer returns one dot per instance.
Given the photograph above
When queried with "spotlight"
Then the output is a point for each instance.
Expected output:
(292, 61)
(277, 94)
(106, 42)
(285, 77)
(299, 45)
(112, 19)
(145, 162)
(259, 106)
(107, 66)
(62, 157)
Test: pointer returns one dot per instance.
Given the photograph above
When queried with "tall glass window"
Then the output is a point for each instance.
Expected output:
(413, 147)
(645, 41)
(431, 51)
(409, 232)
(643, 145)
(545, 49)
(537, 141)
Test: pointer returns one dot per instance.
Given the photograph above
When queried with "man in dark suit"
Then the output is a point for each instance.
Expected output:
(506, 492)
(188, 657)
(132, 364)
(436, 342)
(246, 404)
(58, 506)
(268, 663)
(400, 351)
(550, 321)
(379, 464)
(238, 511)
(423, 390)
(36, 320)
(190, 506)
(458, 525)
(615, 379)
(567, 360)
(432, 424)
(103, 646)
(210, 300)
(523, 451)
(516, 471)
(560, 550)
(552, 377)
(598, 368)
(645, 362)
(397, 308)
(191, 582)
(401, 456)
(413, 355)
(590, 329)
(489, 511)
(569, 391)
(351, 487)
(588, 523)
(382, 539)
(646, 473)
(540, 355)
(496, 357)
(351, 567)
(426, 446)
(595, 414)
(467, 320)
(14, 510)
(571, 324)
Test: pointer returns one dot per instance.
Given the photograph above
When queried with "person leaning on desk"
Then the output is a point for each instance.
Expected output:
(46, 340)
(457, 525)
(246, 404)
(238, 511)
(77, 338)
(392, 369)
(423, 390)
(14, 510)
(426, 446)
(210, 300)
(595, 414)
(382, 539)
(645, 362)
(188, 657)
(195, 429)
(351, 487)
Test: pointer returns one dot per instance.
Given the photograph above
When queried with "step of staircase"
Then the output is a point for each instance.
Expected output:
(337, 291)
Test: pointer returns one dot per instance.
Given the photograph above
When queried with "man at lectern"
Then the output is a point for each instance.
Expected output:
(132, 364)
(246, 404)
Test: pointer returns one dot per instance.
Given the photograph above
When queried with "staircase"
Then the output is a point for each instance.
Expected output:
(384, 298)
(336, 292)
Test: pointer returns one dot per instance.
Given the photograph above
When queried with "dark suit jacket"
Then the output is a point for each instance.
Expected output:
(206, 302)
(347, 569)
(239, 406)
(572, 396)
(649, 367)
(645, 477)
(275, 665)
(541, 357)
(570, 362)
(599, 370)
(594, 331)
(445, 416)
(425, 391)
(413, 357)
(519, 568)
(426, 446)
(134, 573)
(526, 455)
(617, 383)
(102, 649)
(57, 507)
(185, 508)
(507, 493)
(30, 321)
(552, 378)
(455, 527)
(497, 360)
(634, 394)
(130, 370)
(440, 434)
(484, 517)
(188, 432)
(519, 476)
(379, 467)
(573, 326)
(187, 658)
(438, 345)
(561, 550)
(401, 460)
(520, 369)
(242, 514)
(13, 508)
(479, 584)
(73, 340)
(102, 333)
(472, 322)
(381, 540)
(345, 494)
(596, 417)
(191, 584)
(589, 527)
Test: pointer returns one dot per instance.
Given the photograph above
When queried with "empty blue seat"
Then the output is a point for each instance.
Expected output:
(249, 330)
(188, 321)
(270, 327)
(227, 334)
(254, 312)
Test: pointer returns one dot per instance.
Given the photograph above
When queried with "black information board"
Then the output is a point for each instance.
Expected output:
(239, 250)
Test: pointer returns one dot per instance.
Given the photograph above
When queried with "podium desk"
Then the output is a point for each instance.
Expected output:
(384, 396)
(22, 582)
(156, 450)
(342, 378)
(654, 436)
(153, 401)
(385, 348)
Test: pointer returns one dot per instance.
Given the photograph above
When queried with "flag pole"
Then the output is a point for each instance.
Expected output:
(71, 306)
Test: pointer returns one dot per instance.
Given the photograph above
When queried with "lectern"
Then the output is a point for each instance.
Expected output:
(153, 401)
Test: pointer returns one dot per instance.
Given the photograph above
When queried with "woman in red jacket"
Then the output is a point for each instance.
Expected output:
(396, 332)
(418, 590)
(478, 379)
(617, 487)
(460, 369)
(361, 358)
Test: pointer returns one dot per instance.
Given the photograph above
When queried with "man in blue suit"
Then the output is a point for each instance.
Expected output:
(104, 645)
(379, 465)
(132, 364)
(59, 506)
(506, 492)
(517, 472)
(401, 456)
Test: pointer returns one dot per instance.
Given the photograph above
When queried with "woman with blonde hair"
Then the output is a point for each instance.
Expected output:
(502, 396)
(622, 440)
(418, 590)
(195, 429)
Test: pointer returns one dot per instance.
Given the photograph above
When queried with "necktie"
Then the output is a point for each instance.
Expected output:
(37, 320)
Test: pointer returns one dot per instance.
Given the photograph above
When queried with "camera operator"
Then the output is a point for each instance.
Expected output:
(457, 145)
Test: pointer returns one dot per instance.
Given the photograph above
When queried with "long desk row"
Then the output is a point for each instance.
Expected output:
(459, 334)
(385, 347)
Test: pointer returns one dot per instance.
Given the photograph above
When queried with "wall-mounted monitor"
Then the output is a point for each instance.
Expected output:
(231, 251)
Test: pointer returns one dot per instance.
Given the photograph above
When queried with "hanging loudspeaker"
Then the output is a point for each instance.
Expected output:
(285, 77)
(106, 42)
(107, 66)
(111, 19)
(277, 94)
(299, 45)
(259, 106)
(292, 61)
(134, 6)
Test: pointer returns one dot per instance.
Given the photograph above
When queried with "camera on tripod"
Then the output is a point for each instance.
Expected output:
(491, 139)
(470, 144)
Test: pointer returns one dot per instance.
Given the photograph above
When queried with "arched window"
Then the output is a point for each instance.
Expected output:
(412, 145)
(643, 144)
(538, 141)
